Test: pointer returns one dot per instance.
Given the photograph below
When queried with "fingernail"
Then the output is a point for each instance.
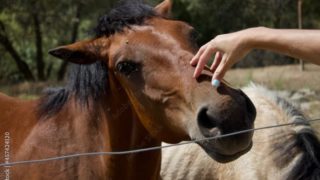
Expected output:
(215, 83)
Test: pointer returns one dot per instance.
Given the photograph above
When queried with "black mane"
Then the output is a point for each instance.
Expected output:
(84, 82)
(129, 12)
(90, 81)
(306, 140)
(308, 166)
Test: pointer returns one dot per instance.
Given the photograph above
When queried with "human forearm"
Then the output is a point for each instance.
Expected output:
(230, 48)
(303, 44)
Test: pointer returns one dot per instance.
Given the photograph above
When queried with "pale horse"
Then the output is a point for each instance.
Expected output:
(282, 153)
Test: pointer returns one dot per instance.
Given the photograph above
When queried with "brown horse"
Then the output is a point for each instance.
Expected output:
(282, 153)
(132, 89)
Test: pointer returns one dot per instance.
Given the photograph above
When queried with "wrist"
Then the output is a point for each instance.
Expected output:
(254, 37)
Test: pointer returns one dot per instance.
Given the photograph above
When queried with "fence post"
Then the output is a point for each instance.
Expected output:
(300, 27)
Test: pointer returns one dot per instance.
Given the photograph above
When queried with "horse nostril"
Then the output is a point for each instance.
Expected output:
(207, 123)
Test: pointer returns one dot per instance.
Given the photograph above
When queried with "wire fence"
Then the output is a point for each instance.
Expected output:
(75, 155)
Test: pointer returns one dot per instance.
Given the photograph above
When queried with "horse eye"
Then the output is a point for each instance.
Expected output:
(127, 67)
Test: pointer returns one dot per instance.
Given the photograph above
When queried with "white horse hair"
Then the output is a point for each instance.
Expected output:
(282, 153)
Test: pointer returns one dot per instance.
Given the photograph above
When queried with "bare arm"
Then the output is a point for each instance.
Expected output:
(230, 48)
(303, 44)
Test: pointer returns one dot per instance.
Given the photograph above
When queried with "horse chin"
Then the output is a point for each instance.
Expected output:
(224, 158)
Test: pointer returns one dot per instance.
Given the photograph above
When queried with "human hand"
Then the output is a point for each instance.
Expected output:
(228, 49)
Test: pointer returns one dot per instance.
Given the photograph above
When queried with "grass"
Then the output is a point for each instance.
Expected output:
(248, 77)
(277, 77)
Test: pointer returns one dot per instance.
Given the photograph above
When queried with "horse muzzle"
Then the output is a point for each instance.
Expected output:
(237, 114)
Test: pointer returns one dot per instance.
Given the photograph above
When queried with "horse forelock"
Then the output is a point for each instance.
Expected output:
(125, 14)
(298, 140)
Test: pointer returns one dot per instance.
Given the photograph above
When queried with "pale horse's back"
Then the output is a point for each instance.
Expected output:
(189, 162)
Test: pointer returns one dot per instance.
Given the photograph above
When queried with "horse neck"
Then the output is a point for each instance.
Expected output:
(288, 152)
(125, 132)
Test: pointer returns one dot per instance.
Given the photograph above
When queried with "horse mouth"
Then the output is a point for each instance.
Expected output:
(225, 158)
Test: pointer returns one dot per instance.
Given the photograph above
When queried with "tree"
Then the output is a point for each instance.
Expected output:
(30, 28)
(21, 65)
(38, 25)
(299, 8)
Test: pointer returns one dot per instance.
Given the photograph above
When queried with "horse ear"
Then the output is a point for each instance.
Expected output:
(82, 52)
(164, 8)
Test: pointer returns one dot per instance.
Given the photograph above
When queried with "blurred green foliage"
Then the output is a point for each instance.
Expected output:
(58, 21)
(214, 17)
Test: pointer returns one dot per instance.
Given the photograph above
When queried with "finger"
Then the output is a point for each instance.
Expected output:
(221, 69)
(216, 62)
(203, 60)
(195, 59)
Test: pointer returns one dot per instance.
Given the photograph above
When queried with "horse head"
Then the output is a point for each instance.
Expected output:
(147, 55)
